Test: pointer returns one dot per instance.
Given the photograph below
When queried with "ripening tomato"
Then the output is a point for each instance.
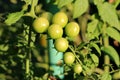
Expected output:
(43, 40)
(72, 29)
(61, 44)
(40, 25)
(69, 58)
(55, 31)
(60, 18)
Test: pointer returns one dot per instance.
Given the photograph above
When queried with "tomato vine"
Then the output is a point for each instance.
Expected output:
(84, 33)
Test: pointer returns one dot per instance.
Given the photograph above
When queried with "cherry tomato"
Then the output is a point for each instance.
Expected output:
(60, 18)
(61, 44)
(55, 31)
(40, 25)
(69, 58)
(77, 68)
(72, 29)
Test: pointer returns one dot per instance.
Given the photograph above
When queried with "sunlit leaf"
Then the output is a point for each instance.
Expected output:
(106, 76)
(108, 14)
(95, 59)
(112, 53)
(113, 33)
(13, 17)
(45, 76)
(92, 26)
(98, 1)
(4, 47)
(96, 47)
(62, 3)
(117, 2)
(116, 75)
(80, 7)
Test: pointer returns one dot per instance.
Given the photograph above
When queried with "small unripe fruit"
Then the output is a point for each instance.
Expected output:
(40, 25)
(69, 58)
(55, 31)
(72, 29)
(60, 18)
(77, 68)
(61, 44)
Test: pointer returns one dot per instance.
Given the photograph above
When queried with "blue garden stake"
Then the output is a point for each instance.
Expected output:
(55, 59)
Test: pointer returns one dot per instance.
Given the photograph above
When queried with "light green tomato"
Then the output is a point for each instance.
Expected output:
(60, 18)
(40, 25)
(72, 29)
(61, 44)
(77, 68)
(69, 58)
(55, 31)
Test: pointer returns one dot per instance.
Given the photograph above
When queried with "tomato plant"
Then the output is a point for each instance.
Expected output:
(36, 39)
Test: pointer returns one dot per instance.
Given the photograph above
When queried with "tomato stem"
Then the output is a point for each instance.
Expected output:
(28, 56)
(75, 55)
(27, 66)
(106, 43)
(98, 70)
(32, 11)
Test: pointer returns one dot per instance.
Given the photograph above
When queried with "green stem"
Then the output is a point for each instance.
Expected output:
(99, 71)
(32, 10)
(27, 66)
(106, 43)
(28, 56)
(106, 61)
(75, 55)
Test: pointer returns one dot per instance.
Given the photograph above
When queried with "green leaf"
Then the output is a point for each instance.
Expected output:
(13, 17)
(113, 33)
(4, 47)
(92, 26)
(112, 53)
(80, 7)
(108, 14)
(93, 29)
(45, 76)
(62, 3)
(117, 2)
(95, 59)
(106, 76)
(96, 47)
(98, 1)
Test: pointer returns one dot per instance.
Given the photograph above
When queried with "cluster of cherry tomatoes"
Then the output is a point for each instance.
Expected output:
(56, 26)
